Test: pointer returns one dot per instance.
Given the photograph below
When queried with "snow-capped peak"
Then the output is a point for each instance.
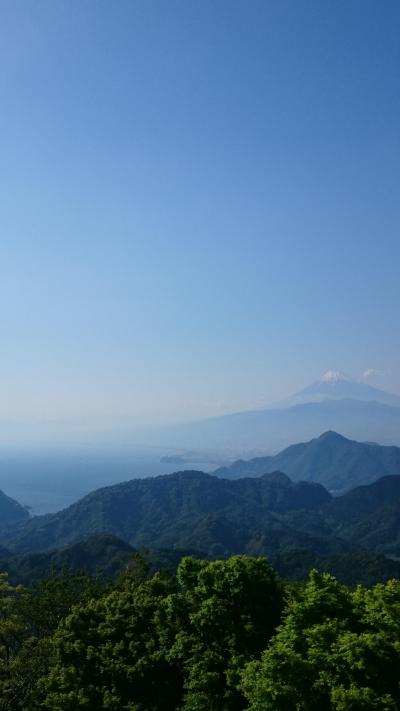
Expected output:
(332, 376)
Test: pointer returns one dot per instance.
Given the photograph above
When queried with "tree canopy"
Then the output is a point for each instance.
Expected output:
(221, 635)
(336, 649)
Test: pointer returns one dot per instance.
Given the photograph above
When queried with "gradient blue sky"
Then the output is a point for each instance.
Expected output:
(199, 202)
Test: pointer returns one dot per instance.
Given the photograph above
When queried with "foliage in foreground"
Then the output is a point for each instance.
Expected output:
(336, 649)
(167, 642)
(217, 636)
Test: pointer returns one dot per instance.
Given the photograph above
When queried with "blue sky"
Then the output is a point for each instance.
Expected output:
(199, 203)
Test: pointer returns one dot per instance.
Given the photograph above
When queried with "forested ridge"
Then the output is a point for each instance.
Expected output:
(224, 635)
(106, 556)
(194, 511)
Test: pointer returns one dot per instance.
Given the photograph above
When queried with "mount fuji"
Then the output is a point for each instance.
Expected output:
(334, 385)
(353, 408)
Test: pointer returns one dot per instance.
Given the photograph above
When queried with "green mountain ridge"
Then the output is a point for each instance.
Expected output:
(106, 556)
(102, 555)
(267, 515)
(182, 510)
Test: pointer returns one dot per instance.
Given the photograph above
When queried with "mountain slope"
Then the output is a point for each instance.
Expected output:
(369, 516)
(269, 515)
(102, 555)
(11, 511)
(363, 501)
(106, 556)
(352, 569)
(336, 462)
(182, 510)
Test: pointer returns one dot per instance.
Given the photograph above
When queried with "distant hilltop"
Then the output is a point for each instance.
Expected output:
(340, 464)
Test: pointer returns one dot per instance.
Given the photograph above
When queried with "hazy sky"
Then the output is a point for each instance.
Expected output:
(200, 202)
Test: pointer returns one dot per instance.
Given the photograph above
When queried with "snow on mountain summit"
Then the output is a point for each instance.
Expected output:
(333, 376)
(335, 385)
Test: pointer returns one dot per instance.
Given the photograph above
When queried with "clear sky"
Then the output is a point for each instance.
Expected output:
(200, 202)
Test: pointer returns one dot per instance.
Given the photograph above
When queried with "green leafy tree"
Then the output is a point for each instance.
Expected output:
(163, 644)
(13, 633)
(12, 627)
(109, 654)
(336, 650)
(51, 599)
(20, 687)
(223, 615)
(28, 619)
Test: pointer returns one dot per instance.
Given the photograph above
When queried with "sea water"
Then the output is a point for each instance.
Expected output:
(47, 480)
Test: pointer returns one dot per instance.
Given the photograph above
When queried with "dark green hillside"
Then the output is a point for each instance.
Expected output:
(106, 556)
(11, 511)
(336, 462)
(183, 510)
(366, 518)
(369, 516)
(103, 556)
(267, 515)
(364, 500)
(349, 568)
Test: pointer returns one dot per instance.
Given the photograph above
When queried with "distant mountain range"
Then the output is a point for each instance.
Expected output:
(267, 515)
(336, 462)
(334, 402)
(280, 505)
(190, 510)
(357, 410)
